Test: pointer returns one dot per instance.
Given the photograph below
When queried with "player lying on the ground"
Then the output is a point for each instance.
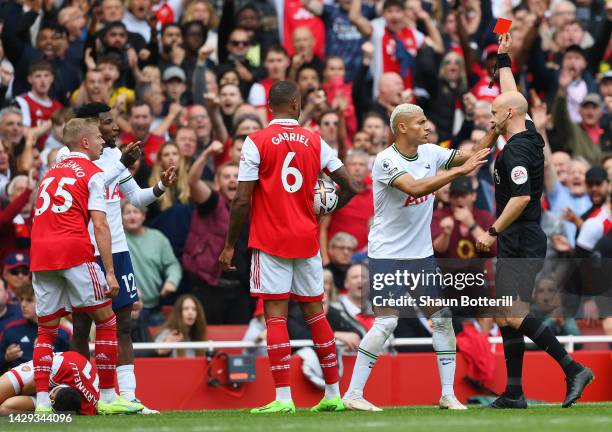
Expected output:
(73, 386)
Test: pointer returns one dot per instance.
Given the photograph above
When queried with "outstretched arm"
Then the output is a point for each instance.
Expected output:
(506, 78)
(418, 188)
(143, 197)
(486, 142)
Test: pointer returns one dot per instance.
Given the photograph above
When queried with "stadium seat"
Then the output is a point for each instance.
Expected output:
(154, 330)
(166, 311)
(592, 330)
(226, 332)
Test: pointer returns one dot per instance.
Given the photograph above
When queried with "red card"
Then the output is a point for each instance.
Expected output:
(502, 26)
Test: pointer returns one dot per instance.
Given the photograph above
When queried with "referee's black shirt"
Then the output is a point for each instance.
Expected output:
(519, 171)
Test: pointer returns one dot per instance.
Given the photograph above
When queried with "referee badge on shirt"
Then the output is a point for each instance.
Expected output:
(518, 175)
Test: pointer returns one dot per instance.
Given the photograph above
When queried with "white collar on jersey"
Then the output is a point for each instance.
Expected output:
(77, 154)
(284, 122)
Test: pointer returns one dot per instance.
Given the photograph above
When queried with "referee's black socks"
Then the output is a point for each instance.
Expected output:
(514, 350)
(543, 337)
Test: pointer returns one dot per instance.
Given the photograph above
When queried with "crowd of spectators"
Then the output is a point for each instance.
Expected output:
(189, 80)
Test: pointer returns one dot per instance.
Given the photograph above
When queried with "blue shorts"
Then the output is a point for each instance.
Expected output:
(125, 276)
(392, 279)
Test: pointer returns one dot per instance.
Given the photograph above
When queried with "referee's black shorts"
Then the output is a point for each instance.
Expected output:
(521, 249)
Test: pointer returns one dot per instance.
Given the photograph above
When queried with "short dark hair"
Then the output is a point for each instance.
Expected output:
(50, 25)
(170, 25)
(575, 49)
(391, 3)
(194, 23)
(276, 49)
(139, 103)
(92, 110)
(67, 399)
(111, 58)
(374, 114)
(239, 138)
(40, 65)
(308, 67)
(283, 92)
(27, 291)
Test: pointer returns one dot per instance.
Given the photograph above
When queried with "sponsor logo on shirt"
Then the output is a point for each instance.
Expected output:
(410, 201)
(518, 175)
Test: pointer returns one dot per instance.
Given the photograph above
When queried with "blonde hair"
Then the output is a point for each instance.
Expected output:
(463, 77)
(213, 21)
(180, 191)
(405, 108)
(77, 128)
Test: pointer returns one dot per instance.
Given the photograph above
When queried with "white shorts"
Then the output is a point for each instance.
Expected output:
(59, 292)
(275, 278)
(22, 375)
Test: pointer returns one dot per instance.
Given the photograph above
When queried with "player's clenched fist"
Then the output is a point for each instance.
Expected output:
(112, 286)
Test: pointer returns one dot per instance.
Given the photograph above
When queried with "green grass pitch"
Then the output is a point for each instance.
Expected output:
(582, 417)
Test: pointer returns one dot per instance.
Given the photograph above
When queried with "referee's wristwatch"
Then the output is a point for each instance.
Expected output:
(492, 231)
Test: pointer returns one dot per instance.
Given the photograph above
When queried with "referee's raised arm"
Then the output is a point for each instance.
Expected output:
(504, 64)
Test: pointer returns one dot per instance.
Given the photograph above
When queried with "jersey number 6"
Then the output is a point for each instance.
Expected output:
(59, 192)
(289, 170)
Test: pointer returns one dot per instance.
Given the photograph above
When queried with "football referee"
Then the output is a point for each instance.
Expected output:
(521, 243)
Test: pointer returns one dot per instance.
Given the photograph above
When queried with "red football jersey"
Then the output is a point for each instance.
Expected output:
(76, 372)
(60, 239)
(390, 61)
(296, 15)
(283, 222)
(35, 111)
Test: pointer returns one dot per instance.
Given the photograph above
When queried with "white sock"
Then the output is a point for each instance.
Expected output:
(283, 394)
(42, 399)
(127, 382)
(108, 395)
(332, 390)
(369, 349)
(445, 347)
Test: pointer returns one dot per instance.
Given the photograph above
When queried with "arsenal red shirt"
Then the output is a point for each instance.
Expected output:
(35, 111)
(296, 15)
(65, 196)
(285, 159)
(76, 372)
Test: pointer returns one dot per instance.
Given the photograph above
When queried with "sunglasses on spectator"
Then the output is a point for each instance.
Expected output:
(329, 123)
(240, 43)
(455, 62)
(24, 271)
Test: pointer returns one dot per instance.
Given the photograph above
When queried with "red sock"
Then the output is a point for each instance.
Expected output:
(325, 346)
(279, 350)
(106, 351)
(43, 356)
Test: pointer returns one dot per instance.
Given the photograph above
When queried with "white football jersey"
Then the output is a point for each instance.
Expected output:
(108, 162)
(402, 223)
